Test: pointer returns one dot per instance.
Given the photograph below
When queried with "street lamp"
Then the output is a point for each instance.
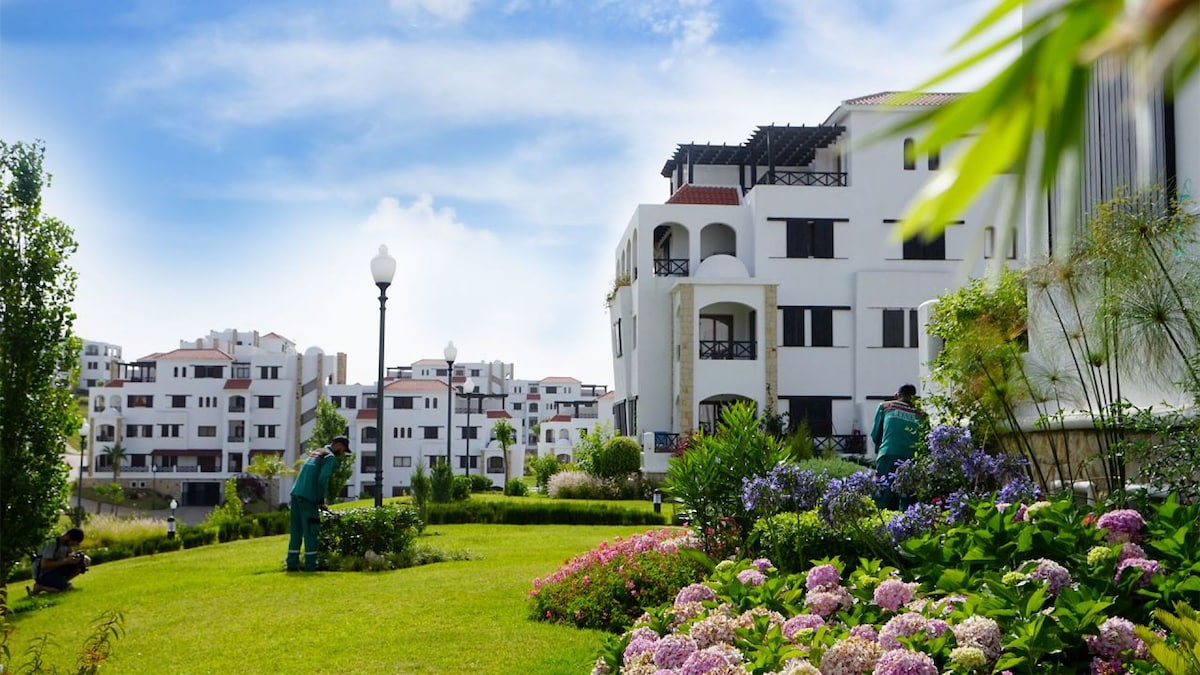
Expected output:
(83, 439)
(383, 268)
(451, 353)
(171, 519)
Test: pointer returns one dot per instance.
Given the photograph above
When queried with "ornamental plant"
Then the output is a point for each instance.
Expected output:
(370, 538)
(607, 587)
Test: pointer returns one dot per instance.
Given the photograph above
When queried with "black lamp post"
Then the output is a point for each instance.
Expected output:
(83, 439)
(383, 268)
(451, 353)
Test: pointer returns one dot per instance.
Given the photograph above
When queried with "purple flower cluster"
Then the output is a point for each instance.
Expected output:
(1055, 575)
(852, 656)
(672, 651)
(905, 662)
(918, 518)
(1116, 643)
(892, 594)
(1147, 568)
(800, 622)
(751, 577)
(786, 487)
(902, 625)
(848, 499)
(1121, 525)
(694, 593)
(952, 464)
(980, 632)
(822, 577)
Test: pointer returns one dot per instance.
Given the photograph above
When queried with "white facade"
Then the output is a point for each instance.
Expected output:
(191, 418)
(772, 275)
(96, 360)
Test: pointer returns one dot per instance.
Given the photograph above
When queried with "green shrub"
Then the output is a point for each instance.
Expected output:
(618, 457)
(832, 467)
(607, 587)
(515, 487)
(793, 540)
(421, 491)
(542, 469)
(480, 483)
(441, 481)
(460, 489)
(384, 530)
(539, 513)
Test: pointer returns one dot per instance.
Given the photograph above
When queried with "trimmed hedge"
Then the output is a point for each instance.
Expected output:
(538, 513)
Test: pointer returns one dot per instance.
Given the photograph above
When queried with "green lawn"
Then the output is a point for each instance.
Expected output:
(228, 609)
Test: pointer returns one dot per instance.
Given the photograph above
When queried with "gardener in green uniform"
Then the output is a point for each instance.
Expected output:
(308, 499)
(898, 426)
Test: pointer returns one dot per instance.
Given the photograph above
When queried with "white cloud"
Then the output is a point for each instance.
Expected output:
(454, 11)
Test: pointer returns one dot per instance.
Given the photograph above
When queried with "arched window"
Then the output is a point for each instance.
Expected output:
(910, 155)
(237, 404)
(495, 465)
(368, 435)
(549, 435)
(564, 458)
(98, 404)
(115, 402)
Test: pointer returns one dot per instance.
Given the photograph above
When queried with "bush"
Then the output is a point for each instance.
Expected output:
(607, 587)
(441, 481)
(480, 483)
(573, 484)
(539, 513)
(515, 487)
(381, 531)
(461, 488)
(542, 469)
(618, 457)
(421, 491)
(793, 540)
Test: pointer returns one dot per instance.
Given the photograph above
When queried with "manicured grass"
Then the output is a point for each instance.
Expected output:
(228, 608)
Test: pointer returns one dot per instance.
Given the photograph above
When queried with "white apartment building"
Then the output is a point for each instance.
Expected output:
(771, 275)
(190, 418)
(96, 360)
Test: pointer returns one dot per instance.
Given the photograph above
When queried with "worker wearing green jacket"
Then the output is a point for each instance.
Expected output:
(308, 499)
(899, 425)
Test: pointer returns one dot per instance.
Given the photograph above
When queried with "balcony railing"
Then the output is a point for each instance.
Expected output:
(843, 444)
(821, 178)
(235, 438)
(670, 267)
(237, 408)
(728, 350)
(665, 441)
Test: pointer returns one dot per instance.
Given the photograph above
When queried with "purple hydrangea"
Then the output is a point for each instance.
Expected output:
(1055, 575)
(905, 662)
(918, 518)
(826, 602)
(763, 564)
(1116, 639)
(673, 651)
(694, 593)
(1148, 569)
(981, 632)
(1122, 525)
(751, 577)
(638, 645)
(1130, 550)
(865, 631)
(1019, 488)
(800, 622)
(852, 656)
(901, 625)
(846, 500)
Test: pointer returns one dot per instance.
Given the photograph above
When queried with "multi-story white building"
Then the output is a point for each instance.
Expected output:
(96, 360)
(771, 275)
(190, 418)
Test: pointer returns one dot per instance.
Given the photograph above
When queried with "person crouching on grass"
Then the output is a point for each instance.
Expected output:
(308, 499)
(58, 563)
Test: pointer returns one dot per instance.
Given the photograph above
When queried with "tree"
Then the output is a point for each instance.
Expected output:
(504, 436)
(329, 425)
(270, 467)
(113, 493)
(116, 454)
(1030, 118)
(617, 458)
(38, 355)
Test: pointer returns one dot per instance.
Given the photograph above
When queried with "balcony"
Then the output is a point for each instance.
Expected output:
(728, 350)
(665, 441)
(236, 438)
(670, 267)
(818, 178)
(842, 444)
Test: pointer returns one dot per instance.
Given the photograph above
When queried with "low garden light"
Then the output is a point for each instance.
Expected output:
(171, 519)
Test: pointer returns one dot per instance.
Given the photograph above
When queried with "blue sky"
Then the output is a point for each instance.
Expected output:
(236, 165)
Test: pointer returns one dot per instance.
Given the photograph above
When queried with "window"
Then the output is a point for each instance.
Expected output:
(368, 435)
(431, 432)
(206, 431)
(402, 403)
(131, 430)
(441, 372)
(351, 402)
(208, 371)
(266, 401)
(178, 401)
(618, 346)
(916, 248)
(533, 407)
(241, 371)
(91, 350)
(140, 401)
(237, 404)
(820, 323)
(551, 390)
(809, 237)
(517, 406)
(147, 430)
(470, 432)
(910, 155)
(495, 465)
(401, 462)
(474, 372)
(989, 243)
(463, 462)
(335, 401)
(265, 430)
(816, 411)
(894, 329)
(169, 430)
(371, 402)
(268, 372)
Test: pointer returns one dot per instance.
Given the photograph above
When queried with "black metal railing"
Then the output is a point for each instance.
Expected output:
(665, 441)
(728, 350)
(819, 178)
(234, 438)
(670, 267)
(844, 444)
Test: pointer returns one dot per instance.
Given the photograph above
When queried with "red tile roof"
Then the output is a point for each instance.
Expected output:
(367, 414)
(558, 380)
(696, 194)
(237, 384)
(561, 418)
(115, 383)
(607, 395)
(415, 385)
(899, 98)
(533, 397)
(195, 355)
(496, 414)
(431, 362)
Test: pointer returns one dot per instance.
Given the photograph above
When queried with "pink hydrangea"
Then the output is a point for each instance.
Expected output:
(827, 602)
(639, 644)
(901, 625)
(714, 629)
(1055, 575)
(852, 656)
(711, 660)
(865, 631)
(1130, 550)
(1116, 639)
(763, 564)
(747, 618)
(673, 650)
(800, 622)
(822, 576)
(1122, 525)
(981, 632)
(751, 577)
(905, 662)
(892, 594)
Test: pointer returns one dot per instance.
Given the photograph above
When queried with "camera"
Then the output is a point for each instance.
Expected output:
(83, 561)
